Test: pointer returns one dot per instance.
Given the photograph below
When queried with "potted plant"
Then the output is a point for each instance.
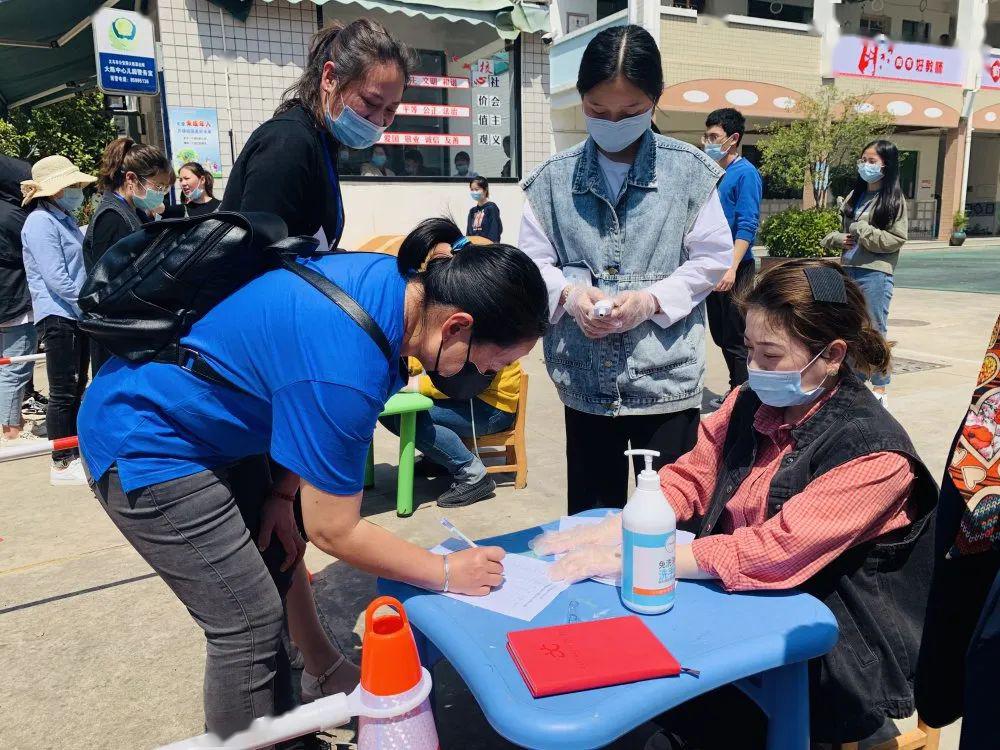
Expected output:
(958, 224)
(796, 233)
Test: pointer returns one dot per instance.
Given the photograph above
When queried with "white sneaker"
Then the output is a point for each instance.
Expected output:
(25, 436)
(68, 474)
(882, 398)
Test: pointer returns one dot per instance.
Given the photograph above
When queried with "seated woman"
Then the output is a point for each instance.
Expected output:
(441, 428)
(801, 480)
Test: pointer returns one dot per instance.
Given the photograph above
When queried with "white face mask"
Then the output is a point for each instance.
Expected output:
(783, 387)
(614, 137)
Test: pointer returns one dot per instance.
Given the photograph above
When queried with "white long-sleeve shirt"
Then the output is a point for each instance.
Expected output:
(710, 254)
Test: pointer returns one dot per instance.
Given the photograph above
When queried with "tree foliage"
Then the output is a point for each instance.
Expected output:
(77, 128)
(824, 143)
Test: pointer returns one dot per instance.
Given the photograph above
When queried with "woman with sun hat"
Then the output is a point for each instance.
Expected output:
(53, 265)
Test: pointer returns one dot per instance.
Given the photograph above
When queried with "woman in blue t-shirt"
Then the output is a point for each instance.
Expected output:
(177, 461)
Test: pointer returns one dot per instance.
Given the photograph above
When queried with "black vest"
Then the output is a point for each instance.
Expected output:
(877, 590)
(109, 202)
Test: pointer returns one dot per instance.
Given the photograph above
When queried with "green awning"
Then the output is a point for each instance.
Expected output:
(47, 52)
(508, 17)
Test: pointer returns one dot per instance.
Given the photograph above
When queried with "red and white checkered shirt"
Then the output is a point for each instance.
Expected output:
(853, 503)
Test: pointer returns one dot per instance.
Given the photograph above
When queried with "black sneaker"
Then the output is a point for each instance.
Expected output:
(39, 398)
(39, 429)
(467, 493)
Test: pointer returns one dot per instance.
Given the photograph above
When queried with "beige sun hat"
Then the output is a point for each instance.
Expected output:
(50, 175)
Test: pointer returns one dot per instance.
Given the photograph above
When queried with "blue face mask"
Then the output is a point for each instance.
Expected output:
(783, 387)
(150, 201)
(378, 160)
(614, 137)
(869, 172)
(353, 130)
(475, 195)
(71, 200)
(196, 194)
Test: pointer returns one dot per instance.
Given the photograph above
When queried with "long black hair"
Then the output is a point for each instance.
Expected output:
(353, 49)
(498, 285)
(627, 51)
(889, 202)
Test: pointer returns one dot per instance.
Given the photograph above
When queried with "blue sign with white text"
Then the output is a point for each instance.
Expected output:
(127, 73)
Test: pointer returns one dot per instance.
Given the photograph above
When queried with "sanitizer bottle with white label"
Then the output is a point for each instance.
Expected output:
(649, 526)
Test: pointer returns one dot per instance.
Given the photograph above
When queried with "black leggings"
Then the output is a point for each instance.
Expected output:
(66, 356)
(597, 470)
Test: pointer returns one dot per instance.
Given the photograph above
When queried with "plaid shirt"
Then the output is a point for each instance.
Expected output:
(853, 503)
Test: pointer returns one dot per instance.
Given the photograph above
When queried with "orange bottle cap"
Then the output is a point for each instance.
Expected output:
(390, 664)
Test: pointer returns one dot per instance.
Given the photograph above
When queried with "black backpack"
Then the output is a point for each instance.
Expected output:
(146, 291)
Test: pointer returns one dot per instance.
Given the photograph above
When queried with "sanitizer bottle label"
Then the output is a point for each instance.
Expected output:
(648, 573)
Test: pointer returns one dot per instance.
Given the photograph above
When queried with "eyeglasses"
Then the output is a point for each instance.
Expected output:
(873, 162)
(153, 186)
(714, 140)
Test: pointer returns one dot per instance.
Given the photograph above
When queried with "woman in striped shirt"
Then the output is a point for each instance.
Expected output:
(802, 481)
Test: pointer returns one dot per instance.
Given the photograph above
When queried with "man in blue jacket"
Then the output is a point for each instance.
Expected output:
(740, 191)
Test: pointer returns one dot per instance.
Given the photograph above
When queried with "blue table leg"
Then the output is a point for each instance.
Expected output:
(784, 696)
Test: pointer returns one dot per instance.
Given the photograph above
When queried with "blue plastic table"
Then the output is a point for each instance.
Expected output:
(760, 641)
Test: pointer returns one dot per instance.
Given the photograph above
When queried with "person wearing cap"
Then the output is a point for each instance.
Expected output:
(53, 264)
(801, 480)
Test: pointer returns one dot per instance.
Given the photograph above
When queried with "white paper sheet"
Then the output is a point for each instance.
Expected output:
(526, 589)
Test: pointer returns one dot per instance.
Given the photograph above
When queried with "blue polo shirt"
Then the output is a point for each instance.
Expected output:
(312, 384)
(740, 192)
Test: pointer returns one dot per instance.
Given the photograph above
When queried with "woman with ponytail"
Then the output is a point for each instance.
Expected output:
(134, 179)
(346, 97)
(802, 480)
(874, 231)
(174, 456)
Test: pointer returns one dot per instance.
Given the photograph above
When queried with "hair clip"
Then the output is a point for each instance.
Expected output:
(459, 244)
(827, 285)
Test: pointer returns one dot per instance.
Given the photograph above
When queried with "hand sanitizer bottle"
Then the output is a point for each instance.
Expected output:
(649, 526)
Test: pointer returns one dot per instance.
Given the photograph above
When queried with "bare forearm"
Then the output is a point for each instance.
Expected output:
(379, 552)
(739, 250)
(687, 566)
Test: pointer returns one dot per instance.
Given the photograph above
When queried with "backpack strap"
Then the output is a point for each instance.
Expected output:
(344, 301)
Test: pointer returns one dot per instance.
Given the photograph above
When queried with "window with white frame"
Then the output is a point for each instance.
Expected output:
(460, 114)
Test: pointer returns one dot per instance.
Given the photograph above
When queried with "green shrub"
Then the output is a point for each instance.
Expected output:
(796, 233)
(960, 221)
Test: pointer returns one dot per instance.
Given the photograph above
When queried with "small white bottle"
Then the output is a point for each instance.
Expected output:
(649, 528)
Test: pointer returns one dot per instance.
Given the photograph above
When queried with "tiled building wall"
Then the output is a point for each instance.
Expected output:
(690, 49)
(203, 46)
(536, 122)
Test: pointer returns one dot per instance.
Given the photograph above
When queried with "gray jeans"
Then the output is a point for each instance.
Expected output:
(199, 534)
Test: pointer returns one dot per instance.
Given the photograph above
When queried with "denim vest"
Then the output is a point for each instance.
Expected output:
(878, 590)
(628, 242)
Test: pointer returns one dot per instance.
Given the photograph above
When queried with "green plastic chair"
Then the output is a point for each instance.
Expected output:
(405, 406)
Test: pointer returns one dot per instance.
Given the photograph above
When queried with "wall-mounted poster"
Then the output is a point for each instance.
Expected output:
(194, 136)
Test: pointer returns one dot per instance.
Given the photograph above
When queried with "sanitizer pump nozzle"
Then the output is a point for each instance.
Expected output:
(647, 479)
(649, 527)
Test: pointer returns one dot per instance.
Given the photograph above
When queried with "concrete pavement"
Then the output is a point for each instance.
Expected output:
(97, 653)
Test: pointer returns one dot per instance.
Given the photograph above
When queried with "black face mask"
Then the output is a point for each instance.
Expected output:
(466, 383)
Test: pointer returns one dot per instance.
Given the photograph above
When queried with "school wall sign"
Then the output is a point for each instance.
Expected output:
(125, 51)
(859, 57)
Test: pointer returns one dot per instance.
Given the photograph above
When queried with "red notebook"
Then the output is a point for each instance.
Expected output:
(587, 655)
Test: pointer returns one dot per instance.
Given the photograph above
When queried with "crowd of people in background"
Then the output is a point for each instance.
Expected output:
(630, 245)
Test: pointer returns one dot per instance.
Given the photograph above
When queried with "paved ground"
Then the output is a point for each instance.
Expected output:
(956, 269)
(97, 653)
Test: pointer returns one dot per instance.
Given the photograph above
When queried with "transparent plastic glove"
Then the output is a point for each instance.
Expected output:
(588, 561)
(580, 305)
(608, 532)
(632, 308)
